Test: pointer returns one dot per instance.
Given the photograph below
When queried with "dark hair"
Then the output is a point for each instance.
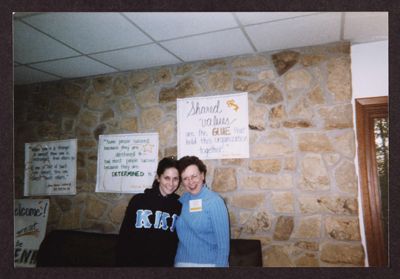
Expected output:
(165, 163)
(186, 161)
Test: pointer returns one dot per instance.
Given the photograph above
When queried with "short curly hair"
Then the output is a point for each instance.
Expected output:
(186, 161)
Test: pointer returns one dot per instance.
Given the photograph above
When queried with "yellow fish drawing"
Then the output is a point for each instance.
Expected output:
(231, 103)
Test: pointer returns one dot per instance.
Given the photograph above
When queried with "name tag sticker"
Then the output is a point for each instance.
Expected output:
(195, 205)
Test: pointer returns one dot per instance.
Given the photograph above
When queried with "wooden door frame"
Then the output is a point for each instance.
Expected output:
(366, 110)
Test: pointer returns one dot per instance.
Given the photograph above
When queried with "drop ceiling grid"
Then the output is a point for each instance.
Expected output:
(364, 26)
(28, 75)
(210, 45)
(90, 32)
(137, 40)
(167, 26)
(74, 67)
(138, 57)
(31, 46)
(320, 29)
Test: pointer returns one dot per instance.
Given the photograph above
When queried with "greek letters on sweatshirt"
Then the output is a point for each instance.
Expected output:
(203, 231)
(147, 235)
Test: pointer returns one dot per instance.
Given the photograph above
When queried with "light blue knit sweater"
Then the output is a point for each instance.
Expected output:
(204, 235)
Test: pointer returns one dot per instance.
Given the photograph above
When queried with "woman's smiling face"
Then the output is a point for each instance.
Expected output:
(192, 179)
(169, 181)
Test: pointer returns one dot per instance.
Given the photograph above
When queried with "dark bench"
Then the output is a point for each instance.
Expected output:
(69, 248)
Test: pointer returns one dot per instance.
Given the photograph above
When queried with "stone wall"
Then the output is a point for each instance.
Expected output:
(297, 192)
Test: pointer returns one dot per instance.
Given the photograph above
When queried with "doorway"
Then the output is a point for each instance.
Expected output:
(373, 158)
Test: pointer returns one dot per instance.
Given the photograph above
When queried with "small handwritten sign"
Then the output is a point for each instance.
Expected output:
(30, 221)
(50, 168)
(213, 127)
(127, 163)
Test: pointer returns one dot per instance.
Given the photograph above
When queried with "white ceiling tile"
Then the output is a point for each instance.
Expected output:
(210, 46)
(74, 67)
(137, 57)
(25, 75)
(90, 32)
(162, 26)
(32, 46)
(366, 26)
(188, 36)
(260, 17)
(304, 31)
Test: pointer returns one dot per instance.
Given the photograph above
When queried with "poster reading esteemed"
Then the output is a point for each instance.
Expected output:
(50, 168)
(30, 220)
(213, 127)
(126, 163)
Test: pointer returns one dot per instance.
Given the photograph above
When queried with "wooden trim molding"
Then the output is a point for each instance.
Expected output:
(367, 109)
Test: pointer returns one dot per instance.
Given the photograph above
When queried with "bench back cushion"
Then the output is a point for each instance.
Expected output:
(87, 249)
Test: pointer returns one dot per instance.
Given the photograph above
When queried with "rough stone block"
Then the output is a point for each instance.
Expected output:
(258, 222)
(163, 75)
(271, 166)
(102, 84)
(95, 208)
(276, 256)
(283, 202)
(250, 61)
(285, 60)
(270, 149)
(337, 117)
(314, 175)
(220, 81)
(283, 228)
(339, 78)
(314, 142)
(151, 118)
(149, 97)
(346, 178)
(342, 228)
(270, 95)
(309, 227)
(224, 180)
(297, 80)
(139, 80)
(342, 253)
(120, 86)
(247, 201)
(307, 260)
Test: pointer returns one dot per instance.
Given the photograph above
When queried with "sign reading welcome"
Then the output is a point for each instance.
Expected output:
(50, 168)
(30, 221)
(213, 127)
(127, 163)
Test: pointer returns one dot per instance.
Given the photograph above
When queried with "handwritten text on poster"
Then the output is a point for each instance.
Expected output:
(50, 168)
(213, 127)
(126, 163)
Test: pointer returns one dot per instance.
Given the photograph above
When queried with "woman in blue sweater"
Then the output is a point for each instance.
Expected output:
(203, 226)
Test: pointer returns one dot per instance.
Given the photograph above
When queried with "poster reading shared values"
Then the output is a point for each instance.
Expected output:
(50, 168)
(127, 163)
(213, 127)
(30, 220)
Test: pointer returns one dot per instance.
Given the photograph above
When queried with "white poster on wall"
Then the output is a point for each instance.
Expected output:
(50, 168)
(30, 221)
(127, 163)
(213, 127)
